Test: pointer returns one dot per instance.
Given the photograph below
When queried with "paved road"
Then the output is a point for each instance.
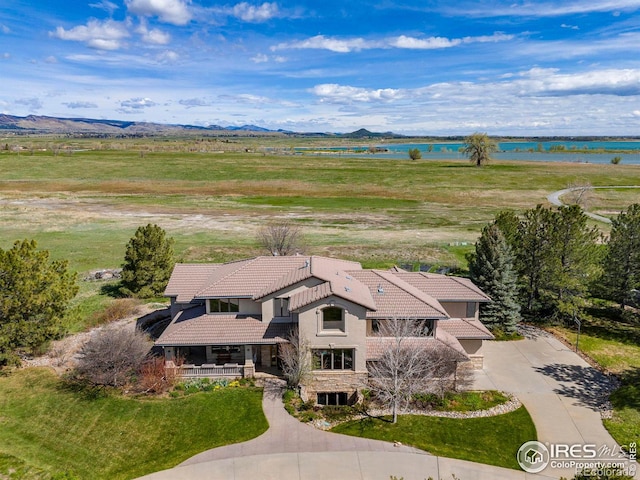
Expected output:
(560, 390)
(554, 199)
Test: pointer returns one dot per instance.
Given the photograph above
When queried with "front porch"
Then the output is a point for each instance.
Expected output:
(223, 361)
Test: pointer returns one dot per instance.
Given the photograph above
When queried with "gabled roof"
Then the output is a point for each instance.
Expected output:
(465, 328)
(322, 268)
(445, 288)
(395, 298)
(341, 285)
(195, 327)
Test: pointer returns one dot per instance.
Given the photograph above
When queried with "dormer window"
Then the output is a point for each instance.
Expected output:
(224, 305)
(280, 307)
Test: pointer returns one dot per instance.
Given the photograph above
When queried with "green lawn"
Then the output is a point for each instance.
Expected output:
(490, 440)
(48, 429)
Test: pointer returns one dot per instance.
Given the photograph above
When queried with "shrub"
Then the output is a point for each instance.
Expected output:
(113, 356)
(154, 378)
(117, 310)
(616, 160)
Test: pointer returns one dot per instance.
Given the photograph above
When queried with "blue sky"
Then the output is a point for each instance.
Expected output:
(414, 67)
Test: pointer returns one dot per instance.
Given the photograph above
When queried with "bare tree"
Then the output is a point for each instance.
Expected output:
(580, 193)
(296, 362)
(408, 363)
(112, 356)
(280, 239)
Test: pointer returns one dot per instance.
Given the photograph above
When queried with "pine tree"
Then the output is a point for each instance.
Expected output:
(575, 260)
(34, 296)
(148, 262)
(622, 262)
(491, 267)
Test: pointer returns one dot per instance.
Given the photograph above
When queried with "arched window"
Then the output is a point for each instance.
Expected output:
(333, 318)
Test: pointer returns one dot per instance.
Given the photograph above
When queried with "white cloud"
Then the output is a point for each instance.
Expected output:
(168, 56)
(255, 14)
(260, 58)
(105, 5)
(31, 103)
(75, 105)
(4, 29)
(320, 42)
(570, 27)
(107, 35)
(334, 93)
(154, 36)
(137, 103)
(194, 102)
(423, 43)
(540, 9)
(5, 55)
(51, 59)
(175, 12)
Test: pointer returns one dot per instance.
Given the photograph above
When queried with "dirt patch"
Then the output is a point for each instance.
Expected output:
(63, 353)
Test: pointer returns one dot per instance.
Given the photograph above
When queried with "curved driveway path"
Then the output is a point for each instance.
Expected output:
(554, 199)
(560, 390)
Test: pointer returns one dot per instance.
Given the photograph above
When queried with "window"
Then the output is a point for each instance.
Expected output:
(375, 326)
(224, 305)
(333, 398)
(280, 307)
(428, 328)
(333, 359)
(333, 318)
(471, 309)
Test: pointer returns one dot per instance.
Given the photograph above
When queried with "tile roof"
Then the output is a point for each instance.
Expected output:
(195, 327)
(339, 284)
(465, 328)
(395, 298)
(443, 287)
(187, 279)
(314, 266)
(377, 345)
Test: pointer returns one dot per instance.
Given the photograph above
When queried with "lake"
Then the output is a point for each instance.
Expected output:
(578, 152)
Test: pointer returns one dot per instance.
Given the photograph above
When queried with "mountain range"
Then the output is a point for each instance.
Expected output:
(37, 124)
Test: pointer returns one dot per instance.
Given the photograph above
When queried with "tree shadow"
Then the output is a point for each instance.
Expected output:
(628, 395)
(112, 289)
(589, 387)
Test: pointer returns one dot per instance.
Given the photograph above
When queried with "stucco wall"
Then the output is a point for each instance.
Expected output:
(459, 309)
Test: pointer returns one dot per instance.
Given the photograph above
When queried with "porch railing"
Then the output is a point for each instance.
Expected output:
(207, 370)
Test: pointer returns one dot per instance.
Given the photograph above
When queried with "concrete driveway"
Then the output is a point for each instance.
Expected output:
(561, 391)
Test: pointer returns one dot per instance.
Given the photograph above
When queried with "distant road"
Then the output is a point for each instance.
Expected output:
(554, 199)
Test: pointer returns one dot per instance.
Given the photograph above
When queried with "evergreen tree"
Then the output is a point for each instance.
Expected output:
(622, 261)
(535, 259)
(148, 262)
(491, 267)
(575, 263)
(34, 295)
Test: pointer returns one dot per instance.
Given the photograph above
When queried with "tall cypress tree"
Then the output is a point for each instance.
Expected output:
(622, 262)
(491, 267)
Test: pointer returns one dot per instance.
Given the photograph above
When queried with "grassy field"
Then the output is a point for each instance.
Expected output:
(47, 429)
(490, 440)
(85, 205)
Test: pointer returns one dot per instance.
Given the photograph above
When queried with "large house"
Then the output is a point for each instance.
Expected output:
(230, 319)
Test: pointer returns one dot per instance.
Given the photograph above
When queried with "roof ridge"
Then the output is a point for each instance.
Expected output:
(244, 262)
(438, 306)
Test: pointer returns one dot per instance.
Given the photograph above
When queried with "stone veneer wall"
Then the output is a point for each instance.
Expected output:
(333, 381)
